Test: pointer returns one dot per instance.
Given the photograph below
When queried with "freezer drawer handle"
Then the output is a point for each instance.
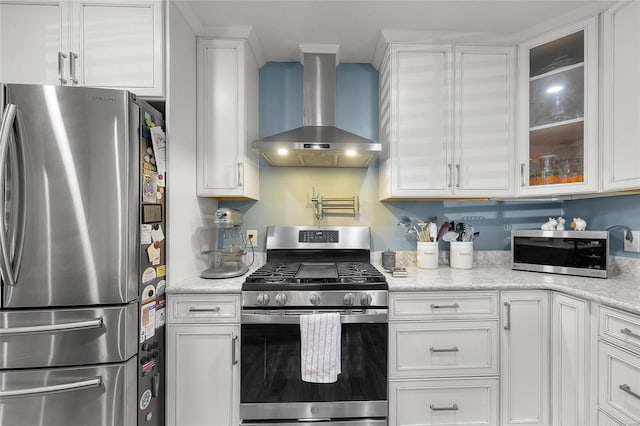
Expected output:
(214, 309)
(630, 333)
(626, 388)
(453, 349)
(454, 407)
(49, 328)
(95, 382)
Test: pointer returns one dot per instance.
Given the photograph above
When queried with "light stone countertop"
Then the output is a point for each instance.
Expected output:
(620, 291)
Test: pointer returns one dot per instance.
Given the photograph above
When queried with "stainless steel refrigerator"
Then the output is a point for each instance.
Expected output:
(82, 258)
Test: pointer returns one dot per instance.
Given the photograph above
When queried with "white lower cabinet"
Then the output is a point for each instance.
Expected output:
(570, 345)
(524, 363)
(472, 401)
(618, 367)
(443, 358)
(203, 380)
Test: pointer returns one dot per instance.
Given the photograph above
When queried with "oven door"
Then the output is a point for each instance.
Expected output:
(271, 387)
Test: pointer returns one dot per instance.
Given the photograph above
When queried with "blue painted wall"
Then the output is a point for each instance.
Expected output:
(285, 193)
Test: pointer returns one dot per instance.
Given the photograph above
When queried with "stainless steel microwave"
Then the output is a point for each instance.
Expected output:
(584, 253)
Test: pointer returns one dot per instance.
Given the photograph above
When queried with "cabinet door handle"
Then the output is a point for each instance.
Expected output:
(72, 67)
(626, 388)
(507, 326)
(522, 175)
(454, 306)
(630, 333)
(454, 407)
(61, 58)
(240, 174)
(458, 175)
(234, 360)
(453, 349)
(214, 309)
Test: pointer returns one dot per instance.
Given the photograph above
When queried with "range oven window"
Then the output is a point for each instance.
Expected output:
(270, 369)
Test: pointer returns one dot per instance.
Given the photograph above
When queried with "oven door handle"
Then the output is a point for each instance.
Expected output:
(293, 317)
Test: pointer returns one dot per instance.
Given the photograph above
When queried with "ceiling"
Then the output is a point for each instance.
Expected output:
(356, 25)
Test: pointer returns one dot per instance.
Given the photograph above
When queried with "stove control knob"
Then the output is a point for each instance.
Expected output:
(365, 299)
(349, 299)
(263, 299)
(281, 298)
(314, 299)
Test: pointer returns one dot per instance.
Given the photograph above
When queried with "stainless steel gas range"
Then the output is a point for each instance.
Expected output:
(312, 270)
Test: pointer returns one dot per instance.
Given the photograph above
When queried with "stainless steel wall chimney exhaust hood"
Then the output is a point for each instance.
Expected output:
(318, 143)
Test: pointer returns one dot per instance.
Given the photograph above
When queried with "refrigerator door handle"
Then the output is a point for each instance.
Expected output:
(6, 126)
(95, 382)
(51, 328)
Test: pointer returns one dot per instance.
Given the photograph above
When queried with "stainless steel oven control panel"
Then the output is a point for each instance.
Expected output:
(297, 298)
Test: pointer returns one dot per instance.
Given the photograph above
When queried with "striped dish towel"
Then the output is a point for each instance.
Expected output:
(320, 348)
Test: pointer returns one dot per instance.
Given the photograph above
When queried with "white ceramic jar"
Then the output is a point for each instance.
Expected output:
(461, 254)
(427, 255)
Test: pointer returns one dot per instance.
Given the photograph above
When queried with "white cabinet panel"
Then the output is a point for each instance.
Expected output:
(460, 348)
(202, 375)
(525, 358)
(227, 119)
(570, 360)
(31, 37)
(440, 402)
(443, 305)
(619, 381)
(484, 120)
(446, 137)
(107, 43)
(621, 103)
(119, 45)
(422, 78)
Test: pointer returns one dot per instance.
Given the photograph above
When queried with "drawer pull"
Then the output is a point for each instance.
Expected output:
(630, 333)
(627, 389)
(453, 349)
(214, 309)
(454, 306)
(454, 407)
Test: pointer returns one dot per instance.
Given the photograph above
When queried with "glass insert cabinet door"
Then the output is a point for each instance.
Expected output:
(559, 138)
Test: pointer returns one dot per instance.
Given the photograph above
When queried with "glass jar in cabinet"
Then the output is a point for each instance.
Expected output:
(559, 117)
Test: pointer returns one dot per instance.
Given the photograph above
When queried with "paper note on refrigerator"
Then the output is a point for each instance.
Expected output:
(147, 321)
(159, 150)
(157, 233)
(154, 254)
(145, 234)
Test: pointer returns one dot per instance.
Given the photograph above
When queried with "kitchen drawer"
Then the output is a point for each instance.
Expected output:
(438, 402)
(439, 305)
(619, 381)
(203, 308)
(438, 349)
(619, 327)
(604, 419)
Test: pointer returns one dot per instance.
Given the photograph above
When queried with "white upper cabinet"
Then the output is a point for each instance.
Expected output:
(621, 103)
(107, 43)
(119, 45)
(558, 129)
(33, 38)
(484, 138)
(227, 119)
(446, 121)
